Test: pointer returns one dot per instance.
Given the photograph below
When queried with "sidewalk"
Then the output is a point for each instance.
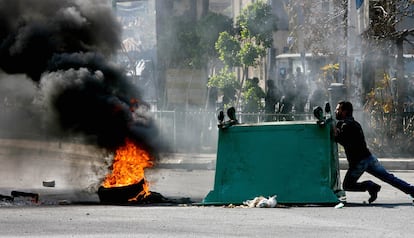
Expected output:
(208, 161)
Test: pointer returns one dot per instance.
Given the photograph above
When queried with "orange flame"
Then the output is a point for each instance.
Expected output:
(128, 167)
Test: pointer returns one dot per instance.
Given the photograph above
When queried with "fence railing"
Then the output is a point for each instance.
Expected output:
(197, 131)
(390, 134)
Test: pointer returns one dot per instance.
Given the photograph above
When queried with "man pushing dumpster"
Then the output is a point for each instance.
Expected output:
(349, 134)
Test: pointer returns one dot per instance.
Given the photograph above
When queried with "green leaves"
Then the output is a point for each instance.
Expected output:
(244, 47)
(250, 53)
(223, 80)
(226, 82)
(228, 48)
(257, 22)
(254, 29)
(209, 28)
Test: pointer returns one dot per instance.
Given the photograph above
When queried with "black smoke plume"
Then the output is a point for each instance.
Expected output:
(65, 47)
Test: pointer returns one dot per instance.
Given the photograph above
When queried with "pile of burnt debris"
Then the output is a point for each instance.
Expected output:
(154, 198)
(107, 196)
(132, 195)
(20, 197)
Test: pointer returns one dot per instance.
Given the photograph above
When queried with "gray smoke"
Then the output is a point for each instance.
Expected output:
(64, 46)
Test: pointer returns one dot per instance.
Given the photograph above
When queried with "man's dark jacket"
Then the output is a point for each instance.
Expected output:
(351, 137)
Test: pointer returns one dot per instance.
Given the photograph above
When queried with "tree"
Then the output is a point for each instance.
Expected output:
(256, 23)
(319, 24)
(226, 82)
(385, 39)
(208, 29)
(385, 35)
(228, 48)
(247, 45)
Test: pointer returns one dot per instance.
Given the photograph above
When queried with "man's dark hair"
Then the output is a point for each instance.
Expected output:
(346, 106)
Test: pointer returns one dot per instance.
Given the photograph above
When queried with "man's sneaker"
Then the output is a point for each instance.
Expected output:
(373, 192)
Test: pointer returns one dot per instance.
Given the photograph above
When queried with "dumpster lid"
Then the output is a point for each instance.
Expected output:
(277, 123)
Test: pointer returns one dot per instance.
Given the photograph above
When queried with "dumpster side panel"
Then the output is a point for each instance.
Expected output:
(292, 161)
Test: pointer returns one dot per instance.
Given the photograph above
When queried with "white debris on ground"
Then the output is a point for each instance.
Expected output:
(339, 205)
(262, 202)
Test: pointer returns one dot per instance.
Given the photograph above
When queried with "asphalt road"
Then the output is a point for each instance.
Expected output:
(72, 209)
(390, 216)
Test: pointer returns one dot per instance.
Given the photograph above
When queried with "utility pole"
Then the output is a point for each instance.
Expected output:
(358, 12)
(301, 44)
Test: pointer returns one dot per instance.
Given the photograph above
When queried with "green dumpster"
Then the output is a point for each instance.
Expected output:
(297, 161)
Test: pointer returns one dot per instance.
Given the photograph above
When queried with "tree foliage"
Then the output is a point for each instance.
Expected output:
(209, 28)
(388, 97)
(228, 48)
(256, 22)
(224, 79)
(247, 44)
(227, 83)
(320, 25)
(386, 16)
(252, 36)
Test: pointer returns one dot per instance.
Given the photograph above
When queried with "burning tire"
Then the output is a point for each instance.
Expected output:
(120, 195)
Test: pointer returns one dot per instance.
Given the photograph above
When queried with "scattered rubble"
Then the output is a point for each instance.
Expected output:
(19, 198)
